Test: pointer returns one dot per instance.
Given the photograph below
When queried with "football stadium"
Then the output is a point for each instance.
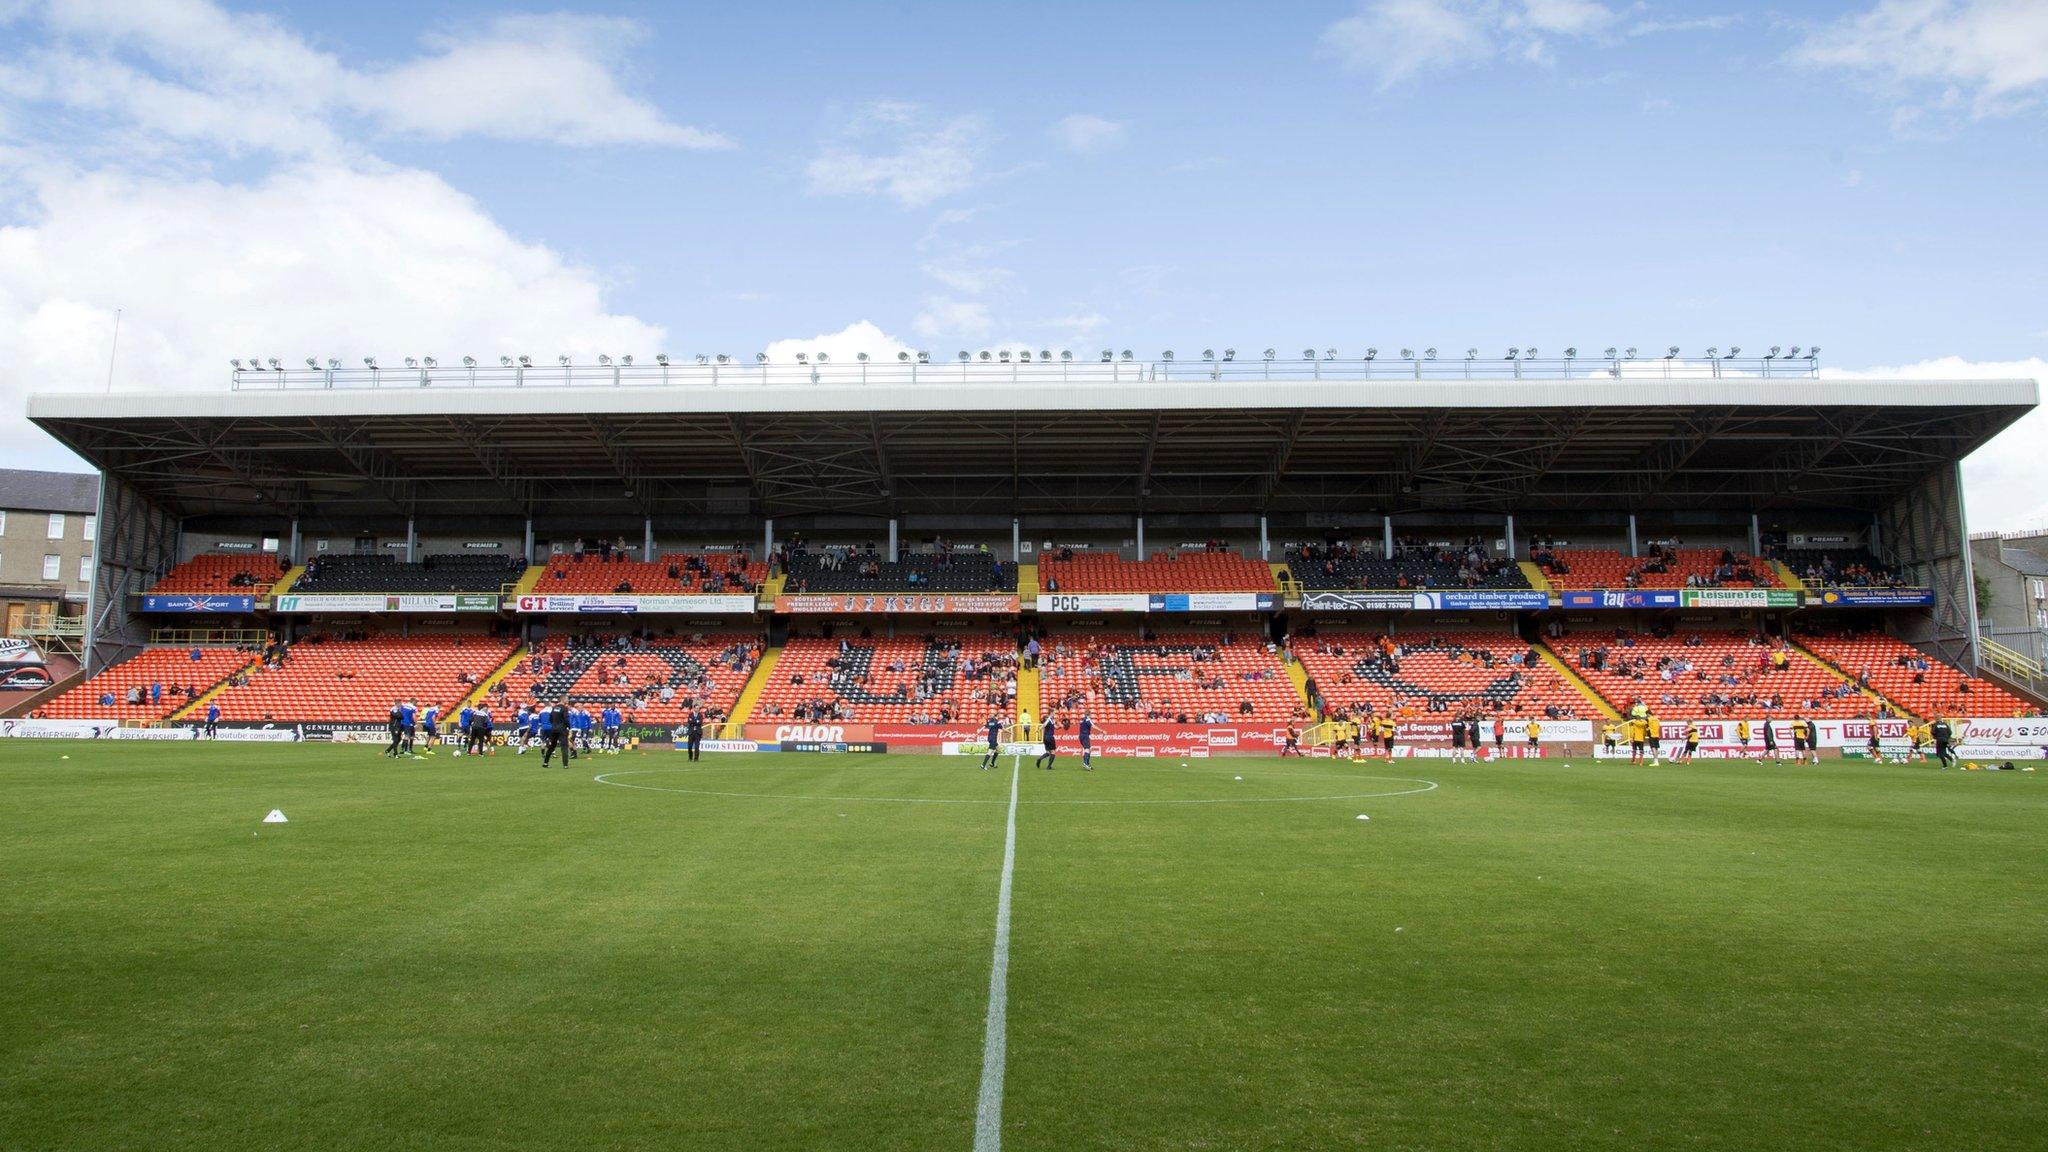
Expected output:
(1031, 748)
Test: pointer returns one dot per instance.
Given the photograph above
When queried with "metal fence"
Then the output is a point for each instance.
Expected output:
(711, 373)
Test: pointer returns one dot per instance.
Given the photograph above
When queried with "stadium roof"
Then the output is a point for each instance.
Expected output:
(1040, 445)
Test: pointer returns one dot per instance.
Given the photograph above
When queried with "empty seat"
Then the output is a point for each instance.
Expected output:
(1438, 674)
(180, 674)
(1164, 572)
(1173, 678)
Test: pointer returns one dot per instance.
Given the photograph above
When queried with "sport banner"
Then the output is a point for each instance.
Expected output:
(915, 603)
(628, 604)
(199, 603)
(429, 602)
(1093, 602)
(1210, 602)
(1738, 598)
(1453, 600)
(1871, 598)
(1622, 598)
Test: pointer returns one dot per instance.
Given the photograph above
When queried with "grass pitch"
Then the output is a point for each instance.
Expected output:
(762, 952)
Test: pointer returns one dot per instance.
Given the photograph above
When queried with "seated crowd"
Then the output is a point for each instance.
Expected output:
(615, 571)
(345, 573)
(1416, 564)
(1837, 568)
(1711, 673)
(1661, 565)
(929, 679)
(652, 677)
(939, 567)
(1436, 674)
(1170, 677)
(1905, 674)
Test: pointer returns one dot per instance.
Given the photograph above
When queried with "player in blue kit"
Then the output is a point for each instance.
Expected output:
(430, 726)
(1086, 734)
(995, 742)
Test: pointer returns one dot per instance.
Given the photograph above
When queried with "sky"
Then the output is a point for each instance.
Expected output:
(446, 179)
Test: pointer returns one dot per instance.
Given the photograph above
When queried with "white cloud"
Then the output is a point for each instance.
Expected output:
(192, 71)
(1085, 133)
(1990, 55)
(961, 319)
(843, 345)
(314, 260)
(2002, 480)
(897, 149)
(1398, 40)
(1654, 27)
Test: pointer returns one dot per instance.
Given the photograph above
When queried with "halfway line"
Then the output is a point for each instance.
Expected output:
(988, 1114)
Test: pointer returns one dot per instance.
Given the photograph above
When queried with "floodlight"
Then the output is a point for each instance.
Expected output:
(1167, 355)
(431, 362)
(1429, 353)
(1631, 353)
(1372, 353)
(1813, 352)
(966, 356)
(661, 358)
(1107, 355)
(412, 362)
(1513, 352)
(312, 363)
(1775, 350)
(1229, 354)
(760, 357)
(924, 357)
(1329, 353)
(469, 361)
(1571, 353)
(562, 360)
(1795, 352)
(1044, 355)
(526, 361)
(1407, 353)
(604, 360)
(256, 363)
(237, 364)
(625, 360)
(1269, 353)
(370, 362)
(824, 359)
(803, 357)
(1004, 355)
(1308, 353)
(1671, 353)
(1713, 353)
(1127, 354)
(275, 366)
(1065, 355)
(1471, 353)
(1611, 353)
(903, 357)
(985, 354)
(703, 359)
(1734, 350)
(722, 358)
(333, 364)
(1528, 354)
(1208, 353)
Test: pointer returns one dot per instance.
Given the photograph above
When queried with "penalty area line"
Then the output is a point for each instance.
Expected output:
(988, 1111)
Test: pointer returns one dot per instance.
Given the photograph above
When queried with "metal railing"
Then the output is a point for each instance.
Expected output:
(1031, 370)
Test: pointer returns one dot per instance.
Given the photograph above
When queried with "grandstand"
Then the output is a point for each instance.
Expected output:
(1175, 678)
(152, 685)
(656, 681)
(1457, 508)
(1437, 674)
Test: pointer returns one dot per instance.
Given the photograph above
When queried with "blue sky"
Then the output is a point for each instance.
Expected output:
(402, 179)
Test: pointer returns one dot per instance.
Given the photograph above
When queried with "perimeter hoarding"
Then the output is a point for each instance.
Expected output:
(371, 603)
(213, 604)
(1071, 602)
(627, 604)
(1457, 600)
(907, 603)
(1871, 598)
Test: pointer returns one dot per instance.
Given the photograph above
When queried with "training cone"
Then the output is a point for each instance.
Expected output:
(276, 817)
(1363, 816)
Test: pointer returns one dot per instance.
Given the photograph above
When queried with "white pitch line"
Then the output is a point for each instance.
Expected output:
(988, 1113)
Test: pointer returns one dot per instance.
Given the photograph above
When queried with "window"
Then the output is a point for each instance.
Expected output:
(56, 525)
(92, 528)
(3, 523)
(53, 566)
(85, 569)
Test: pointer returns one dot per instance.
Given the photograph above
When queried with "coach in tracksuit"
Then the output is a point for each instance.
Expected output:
(693, 733)
(557, 739)
(479, 732)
